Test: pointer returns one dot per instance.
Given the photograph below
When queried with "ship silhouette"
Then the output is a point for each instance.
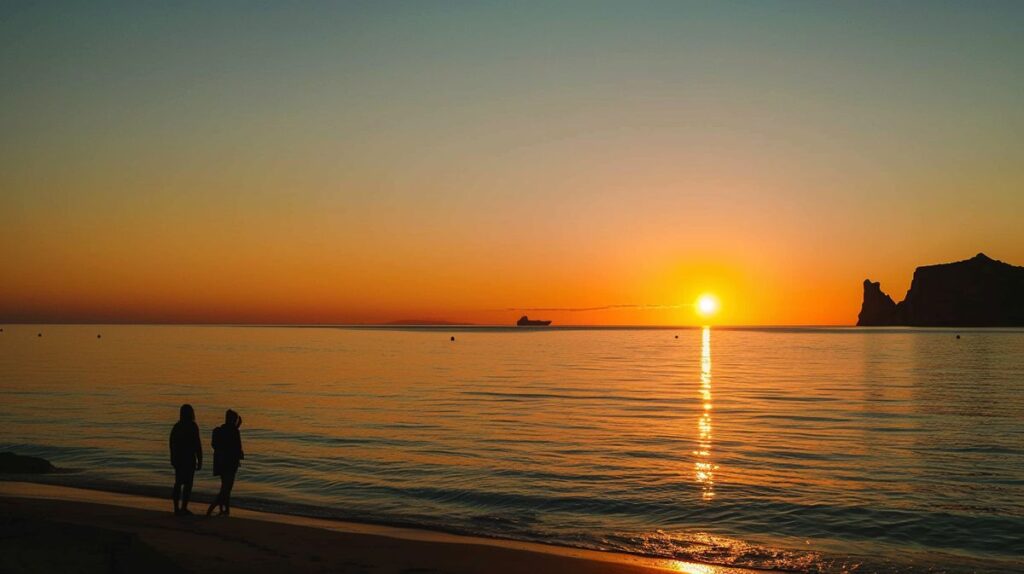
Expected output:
(525, 321)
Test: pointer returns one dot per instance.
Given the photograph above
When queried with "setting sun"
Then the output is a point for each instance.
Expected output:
(707, 305)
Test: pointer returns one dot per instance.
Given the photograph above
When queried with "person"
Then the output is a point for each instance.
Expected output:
(227, 455)
(186, 457)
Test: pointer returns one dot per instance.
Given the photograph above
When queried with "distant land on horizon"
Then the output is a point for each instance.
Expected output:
(976, 292)
(428, 323)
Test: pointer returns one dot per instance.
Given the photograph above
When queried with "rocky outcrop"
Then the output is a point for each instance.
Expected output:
(978, 292)
(20, 464)
(877, 308)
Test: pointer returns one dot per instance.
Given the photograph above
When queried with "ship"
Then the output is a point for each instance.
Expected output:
(525, 321)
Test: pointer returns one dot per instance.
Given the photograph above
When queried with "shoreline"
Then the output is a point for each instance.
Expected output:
(325, 540)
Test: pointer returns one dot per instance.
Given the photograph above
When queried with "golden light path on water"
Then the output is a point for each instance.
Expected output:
(693, 568)
(704, 469)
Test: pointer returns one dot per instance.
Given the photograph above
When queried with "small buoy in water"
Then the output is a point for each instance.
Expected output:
(98, 336)
(39, 335)
(958, 336)
(677, 336)
(453, 338)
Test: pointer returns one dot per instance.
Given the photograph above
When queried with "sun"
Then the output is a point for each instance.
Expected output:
(707, 305)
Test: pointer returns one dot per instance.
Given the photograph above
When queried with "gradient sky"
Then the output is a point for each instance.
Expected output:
(376, 161)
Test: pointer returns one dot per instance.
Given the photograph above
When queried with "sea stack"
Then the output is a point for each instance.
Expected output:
(977, 292)
(878, 308)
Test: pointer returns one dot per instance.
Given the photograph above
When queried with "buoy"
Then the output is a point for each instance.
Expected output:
(677, 336)
(39, 335)
(958, 336)
(99, 336)
(453, 337)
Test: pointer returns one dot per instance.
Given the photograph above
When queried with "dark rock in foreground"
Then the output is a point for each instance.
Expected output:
(16, 463)
(978, 292)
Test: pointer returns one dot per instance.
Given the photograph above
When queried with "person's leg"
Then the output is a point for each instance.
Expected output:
(176, 496)
(219, 500)
(186, 494)
(180, 478)
(183, 482)
(229, 483)
(216, 501)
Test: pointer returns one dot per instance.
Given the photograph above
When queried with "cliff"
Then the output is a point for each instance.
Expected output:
(978, 292)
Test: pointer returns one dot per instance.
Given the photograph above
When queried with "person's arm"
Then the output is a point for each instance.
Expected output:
(199, 448)
(170, 446)
(238, 425)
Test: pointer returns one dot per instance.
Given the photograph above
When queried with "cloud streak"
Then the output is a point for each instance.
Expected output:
(600, 307)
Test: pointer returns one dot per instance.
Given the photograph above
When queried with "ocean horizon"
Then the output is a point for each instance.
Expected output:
(554, 327)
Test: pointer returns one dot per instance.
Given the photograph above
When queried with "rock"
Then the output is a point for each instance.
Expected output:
(878, 308)
(977, 292)
(16, 463)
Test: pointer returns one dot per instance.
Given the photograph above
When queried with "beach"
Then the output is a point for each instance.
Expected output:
(100, 531)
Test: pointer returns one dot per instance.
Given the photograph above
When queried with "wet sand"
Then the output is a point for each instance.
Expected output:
(46, 528)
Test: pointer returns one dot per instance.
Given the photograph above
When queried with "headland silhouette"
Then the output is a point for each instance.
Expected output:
(977, 292)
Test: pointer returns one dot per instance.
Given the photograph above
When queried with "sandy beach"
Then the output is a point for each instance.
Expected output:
(53, 528)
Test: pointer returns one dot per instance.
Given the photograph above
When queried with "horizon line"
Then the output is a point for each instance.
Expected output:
(400, 325)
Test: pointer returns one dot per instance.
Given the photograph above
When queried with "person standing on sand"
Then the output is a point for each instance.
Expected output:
(186, 457)
(227, 456)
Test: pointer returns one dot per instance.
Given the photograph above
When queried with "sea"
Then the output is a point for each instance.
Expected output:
(796, 449)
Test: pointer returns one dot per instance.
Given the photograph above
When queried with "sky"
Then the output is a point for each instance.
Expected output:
(587, 162)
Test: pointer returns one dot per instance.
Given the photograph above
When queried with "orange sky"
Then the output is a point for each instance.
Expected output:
(348, 165)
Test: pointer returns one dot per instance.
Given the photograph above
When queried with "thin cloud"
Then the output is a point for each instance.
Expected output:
(599, 308)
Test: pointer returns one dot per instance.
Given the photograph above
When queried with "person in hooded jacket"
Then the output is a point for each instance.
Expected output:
(227, 456)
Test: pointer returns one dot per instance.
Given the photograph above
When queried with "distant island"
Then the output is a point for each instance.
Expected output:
(426, 323)
(977, 292)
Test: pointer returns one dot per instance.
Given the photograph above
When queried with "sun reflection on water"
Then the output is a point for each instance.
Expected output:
(704, 469)
(693, 568)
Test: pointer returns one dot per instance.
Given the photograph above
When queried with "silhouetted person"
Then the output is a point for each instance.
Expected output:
(186, 457)
(227, 455)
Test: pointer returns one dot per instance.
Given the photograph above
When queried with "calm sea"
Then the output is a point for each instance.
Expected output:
(804, 449)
